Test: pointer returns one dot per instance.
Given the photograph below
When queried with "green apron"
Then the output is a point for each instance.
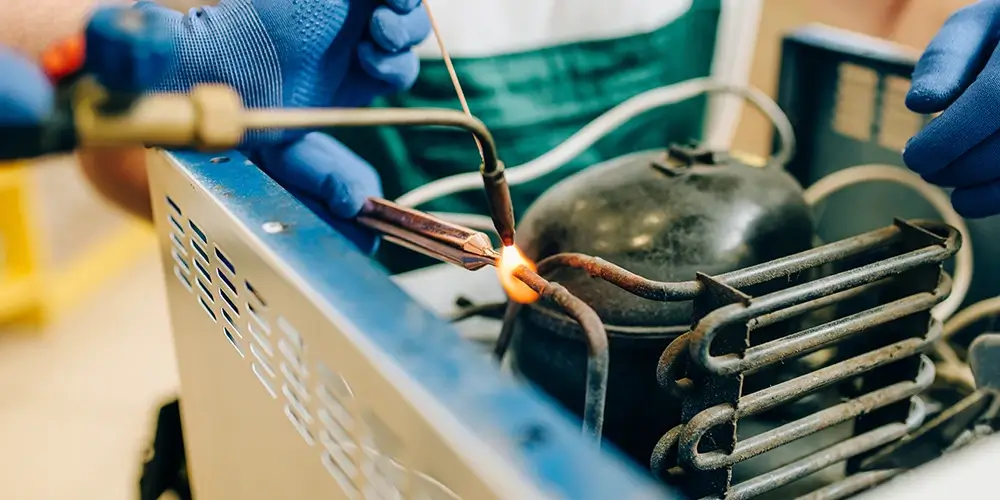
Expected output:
(531, 102)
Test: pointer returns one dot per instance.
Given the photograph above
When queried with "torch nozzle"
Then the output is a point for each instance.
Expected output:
(500, 205)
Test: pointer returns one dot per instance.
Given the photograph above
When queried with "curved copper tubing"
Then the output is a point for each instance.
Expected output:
(598, 357)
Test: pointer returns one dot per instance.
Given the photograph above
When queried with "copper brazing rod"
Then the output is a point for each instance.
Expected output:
(428, 235)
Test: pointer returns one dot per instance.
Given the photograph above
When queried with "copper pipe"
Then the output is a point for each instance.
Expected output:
(598, 357)
(785, 266)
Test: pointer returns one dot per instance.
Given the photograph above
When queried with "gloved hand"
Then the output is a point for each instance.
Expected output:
(25, 93)
(959, 74)
(306, 53)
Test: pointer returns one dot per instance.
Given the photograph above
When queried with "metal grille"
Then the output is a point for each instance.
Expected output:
(877, 365)
(306, 373)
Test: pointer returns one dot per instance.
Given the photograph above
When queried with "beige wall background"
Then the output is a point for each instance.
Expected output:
(30, 25)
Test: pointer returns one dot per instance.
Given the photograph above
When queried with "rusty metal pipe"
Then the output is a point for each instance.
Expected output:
(666, 453)
(820, 336)
(838, 250)
(915, 245)
(817, 461)
(813, 305)
(620, 277)
(670, 368)
(598, 358)
(506, 331)
(680, 444)
(854, 484)
(690, 437)
(710, 326)
(790, 390)
(786, 266)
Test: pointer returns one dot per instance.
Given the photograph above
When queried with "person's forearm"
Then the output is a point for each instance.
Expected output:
(119, 175)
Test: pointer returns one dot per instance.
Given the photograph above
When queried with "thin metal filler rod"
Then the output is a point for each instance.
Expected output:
(446, 57)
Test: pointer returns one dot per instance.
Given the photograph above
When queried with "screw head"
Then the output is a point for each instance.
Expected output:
(273, 227)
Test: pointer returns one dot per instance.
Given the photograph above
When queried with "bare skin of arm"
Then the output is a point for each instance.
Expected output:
(120, 176)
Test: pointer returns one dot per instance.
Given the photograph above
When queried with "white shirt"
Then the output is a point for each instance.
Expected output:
(482, 28)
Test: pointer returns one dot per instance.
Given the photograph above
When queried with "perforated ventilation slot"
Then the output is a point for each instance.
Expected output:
(263, 379)
(300, 422)
(204, 289)
(182, 270)
(225, 261)
(233, 341)
(204, 268)
(231, 322)
(358, 452)
(428, 488)
(177, 225)
(199, 233)
(260, 331)
(262, 348)
(256, 295)
(230, 303)
(293, 371)
(229, 284)
(181, 261)
(384, 477)
(196, 270)
(201, 262)
(177, 210)
(207, 308)
(337, 427)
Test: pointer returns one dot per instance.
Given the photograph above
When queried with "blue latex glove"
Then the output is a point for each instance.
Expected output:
(306, 53)
(959, 74)
(25, 93)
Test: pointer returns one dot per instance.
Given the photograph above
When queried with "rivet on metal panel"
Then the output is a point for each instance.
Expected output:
(272, 227)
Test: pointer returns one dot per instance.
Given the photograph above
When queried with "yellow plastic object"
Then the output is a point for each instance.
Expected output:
(32, 288)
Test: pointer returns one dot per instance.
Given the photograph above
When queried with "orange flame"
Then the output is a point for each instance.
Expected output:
(510, 259)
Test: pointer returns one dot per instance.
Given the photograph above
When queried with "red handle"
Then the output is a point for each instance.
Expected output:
(64, 58)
